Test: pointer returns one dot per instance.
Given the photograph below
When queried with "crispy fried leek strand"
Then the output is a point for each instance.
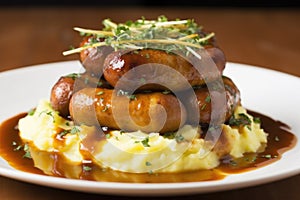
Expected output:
(97, 32)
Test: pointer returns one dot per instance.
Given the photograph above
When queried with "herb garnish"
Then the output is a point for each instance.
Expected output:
(86, 168)
(125, 93)
(73, 130)
(145, 142)
(161, 34)
(49, 113)
(241, 120)
(25, 147)
(31, 112)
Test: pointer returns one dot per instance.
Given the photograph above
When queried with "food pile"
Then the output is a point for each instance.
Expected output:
(152, 98)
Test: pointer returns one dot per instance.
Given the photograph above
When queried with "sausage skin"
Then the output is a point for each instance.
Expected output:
(222, 110)
(119, 63)
(99, 106)
(93, 58)
(61, 94)
(64, 88)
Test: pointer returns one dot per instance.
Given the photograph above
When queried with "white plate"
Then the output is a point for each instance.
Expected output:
(269, 92)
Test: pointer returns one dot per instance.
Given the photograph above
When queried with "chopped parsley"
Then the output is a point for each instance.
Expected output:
(207, 99)
(145, 142)
(179, 138)
(25, 148)
(31, 112)
(125, 93)
(86, 168)
(49, 113)
(256, 120)
(27, 152)
(241, 120)
(73, 76)
(73, 130)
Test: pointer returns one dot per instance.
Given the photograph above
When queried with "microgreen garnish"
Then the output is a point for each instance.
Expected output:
(182, 35)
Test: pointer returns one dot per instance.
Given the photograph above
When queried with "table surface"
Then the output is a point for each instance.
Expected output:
(268, 38)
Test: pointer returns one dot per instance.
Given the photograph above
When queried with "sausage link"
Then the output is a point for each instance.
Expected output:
(93, 58)
(119, 63)
(64, 88)
(61, 93)
(98, 106)
(205, 96)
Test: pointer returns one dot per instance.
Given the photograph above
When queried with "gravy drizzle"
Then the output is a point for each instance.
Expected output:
(280, 140)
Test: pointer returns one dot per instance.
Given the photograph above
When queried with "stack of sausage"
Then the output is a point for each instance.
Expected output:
(88, 97)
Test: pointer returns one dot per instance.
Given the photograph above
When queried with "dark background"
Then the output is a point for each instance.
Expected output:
(169, 3)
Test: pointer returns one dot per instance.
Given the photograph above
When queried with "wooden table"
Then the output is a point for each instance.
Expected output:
(264, 37)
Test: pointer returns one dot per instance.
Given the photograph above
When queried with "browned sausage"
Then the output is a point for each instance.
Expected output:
(63, 89)
(61, 93)
(93, 58)
(223, 106)
(98, 106)
(119, 63)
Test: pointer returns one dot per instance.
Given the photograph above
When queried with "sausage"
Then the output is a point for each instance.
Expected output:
(226, 97)
(93, 58)
(106, 107)
(61, 93)
(64, 88)
(119, 63)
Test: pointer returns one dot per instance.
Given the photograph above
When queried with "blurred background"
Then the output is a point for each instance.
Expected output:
(258, 32)
(169, 3)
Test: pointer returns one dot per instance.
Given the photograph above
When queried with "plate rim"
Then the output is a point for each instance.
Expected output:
(140, 188)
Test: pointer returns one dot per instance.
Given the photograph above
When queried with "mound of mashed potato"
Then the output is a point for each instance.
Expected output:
(58, 146)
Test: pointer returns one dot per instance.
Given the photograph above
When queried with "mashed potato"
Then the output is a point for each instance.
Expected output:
(52, 138)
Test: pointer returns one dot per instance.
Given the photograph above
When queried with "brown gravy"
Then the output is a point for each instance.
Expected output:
(280, 140)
